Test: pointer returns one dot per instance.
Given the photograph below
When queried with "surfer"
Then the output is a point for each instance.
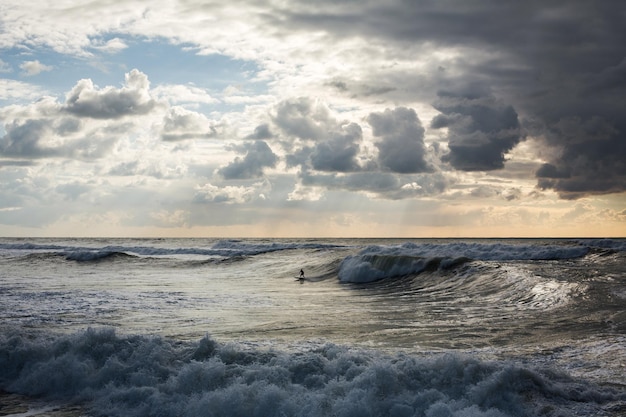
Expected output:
(301, 274)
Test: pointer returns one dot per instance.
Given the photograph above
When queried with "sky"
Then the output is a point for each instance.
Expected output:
(292, 118)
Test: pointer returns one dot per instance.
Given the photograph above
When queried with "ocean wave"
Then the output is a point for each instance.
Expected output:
(377, 262)
(240, 247)
(482, 251)
(141, 376)
(95, 256)
(365, 268)
(227, 248)
(617, 245)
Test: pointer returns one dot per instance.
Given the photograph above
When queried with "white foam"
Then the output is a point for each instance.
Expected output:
(139, 376)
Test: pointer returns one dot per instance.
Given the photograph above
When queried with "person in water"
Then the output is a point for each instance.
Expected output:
(301, 274)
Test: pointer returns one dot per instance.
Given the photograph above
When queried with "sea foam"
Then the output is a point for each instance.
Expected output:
(142, 376)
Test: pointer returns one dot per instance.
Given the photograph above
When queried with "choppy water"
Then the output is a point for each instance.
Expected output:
(378, 328)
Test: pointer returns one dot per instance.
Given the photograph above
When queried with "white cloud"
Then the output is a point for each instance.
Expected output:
(188, 94)
(229, 194)
(166, 218)
(19, 91)
(111, 46)
(240, 99)
(30, 68)
(133, 98)
(180, 124)
(86, 126)
(4, 67)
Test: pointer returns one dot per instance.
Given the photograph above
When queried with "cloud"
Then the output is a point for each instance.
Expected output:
(111, 46)
(590, 161)
(374, 182)
(384, 185)
(24, 139)
(30, 68)
(86, 126)
(181, 124)
(229, 194)
(481, 130)
(4, 67)
(334, 145)
(189, 94)
(544, 63)
(303, 118)
(258, 155)
(43, 130)
(18, 91)
(261, 132)
(401, 148)
(339, 152)
(158, 169)
(133, 99)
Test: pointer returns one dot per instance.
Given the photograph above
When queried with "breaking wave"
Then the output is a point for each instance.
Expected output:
(378, 262)
(141, 376)
(94, 256)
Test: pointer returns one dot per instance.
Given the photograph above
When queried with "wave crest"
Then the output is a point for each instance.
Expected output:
(370, 268)
(95, 256)
(379, 262)
(482, 251)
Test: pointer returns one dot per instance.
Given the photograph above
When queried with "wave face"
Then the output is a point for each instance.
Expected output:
(378, 262)
(148, 376)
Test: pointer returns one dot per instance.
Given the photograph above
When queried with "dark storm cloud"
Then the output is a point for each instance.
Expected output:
(592, 159)
(551, 61)
(86, 100)
(258, 155)
(480, 130)
(401, 140)
(590, 152)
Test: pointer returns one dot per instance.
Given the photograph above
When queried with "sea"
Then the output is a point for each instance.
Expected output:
(378, 327)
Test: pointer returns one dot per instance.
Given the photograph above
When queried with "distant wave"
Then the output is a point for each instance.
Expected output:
(94, 256)
(239, 247)
(222, 248)
(142, 376)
